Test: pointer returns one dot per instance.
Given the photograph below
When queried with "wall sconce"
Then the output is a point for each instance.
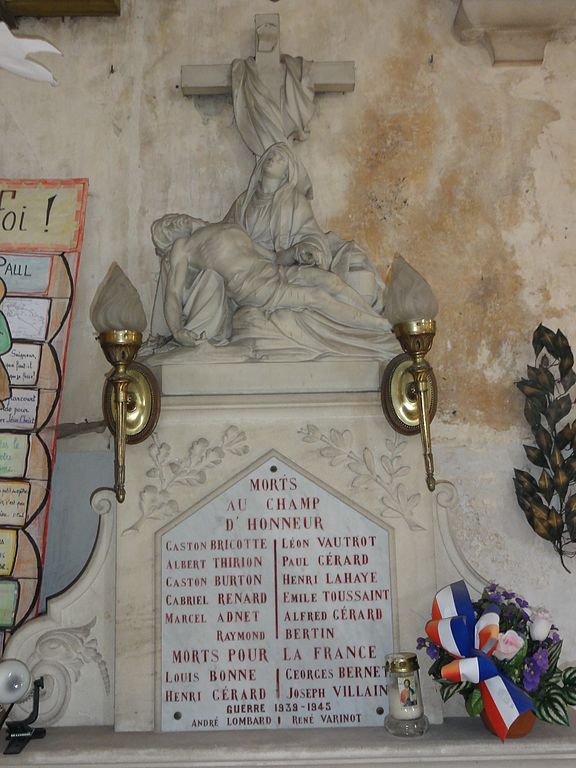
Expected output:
(409, 391)
(131, 398)
(15, 681)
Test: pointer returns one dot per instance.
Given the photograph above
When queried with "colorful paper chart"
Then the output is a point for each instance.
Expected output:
(41, 230)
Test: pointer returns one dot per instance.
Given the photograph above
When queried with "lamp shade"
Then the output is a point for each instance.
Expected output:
(116, 305)
(15, 681)
(408, 295)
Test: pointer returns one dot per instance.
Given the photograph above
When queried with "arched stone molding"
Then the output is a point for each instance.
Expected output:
(451, 564)
(72, 645)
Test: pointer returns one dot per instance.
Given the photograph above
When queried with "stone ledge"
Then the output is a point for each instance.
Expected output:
(513, 31)
(263, 378)
(459, 743)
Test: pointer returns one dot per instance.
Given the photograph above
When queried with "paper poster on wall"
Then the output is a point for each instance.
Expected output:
(41, 230)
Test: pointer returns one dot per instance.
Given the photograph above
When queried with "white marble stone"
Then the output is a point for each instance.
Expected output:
(276, 608)
(221, 378)
(341, 440)
(72, 645)
(460, 743)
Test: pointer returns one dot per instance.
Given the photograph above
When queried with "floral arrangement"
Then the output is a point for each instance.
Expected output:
(526, 654)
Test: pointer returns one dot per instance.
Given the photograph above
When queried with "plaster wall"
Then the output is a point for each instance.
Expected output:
(465, 169)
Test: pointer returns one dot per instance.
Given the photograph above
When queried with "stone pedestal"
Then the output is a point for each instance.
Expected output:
(340, 439)
(323, 420)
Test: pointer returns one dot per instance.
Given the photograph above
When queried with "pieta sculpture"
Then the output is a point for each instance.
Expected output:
(266, 280)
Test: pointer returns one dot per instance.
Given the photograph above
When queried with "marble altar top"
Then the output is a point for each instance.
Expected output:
(460, 742)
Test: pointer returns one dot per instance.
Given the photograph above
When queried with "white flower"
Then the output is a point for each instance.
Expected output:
(540, 624)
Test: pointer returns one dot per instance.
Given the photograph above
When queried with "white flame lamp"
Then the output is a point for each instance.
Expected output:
(409, 391)
(131, 399)
(15, 682)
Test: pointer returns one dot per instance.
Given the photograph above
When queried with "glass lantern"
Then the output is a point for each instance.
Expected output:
(406, 712)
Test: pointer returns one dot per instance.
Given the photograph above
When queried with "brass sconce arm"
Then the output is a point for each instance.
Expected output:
(130, 400)
(120, 348)
(409, 390)
(416, 338)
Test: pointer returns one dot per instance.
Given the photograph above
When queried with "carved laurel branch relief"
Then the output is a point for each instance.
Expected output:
(168, 472)
(58, 657)
(367, 472)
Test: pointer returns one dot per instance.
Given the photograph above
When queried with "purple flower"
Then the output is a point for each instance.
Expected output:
(508, 595)
(555, 637)
(531, 676)
(421, 642)
(541, 660)
(433, 651)
(522, 603)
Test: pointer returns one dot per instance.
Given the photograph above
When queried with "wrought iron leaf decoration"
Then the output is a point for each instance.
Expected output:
(548, 497)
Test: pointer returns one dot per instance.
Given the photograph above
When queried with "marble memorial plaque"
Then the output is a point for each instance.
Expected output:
(276, 609)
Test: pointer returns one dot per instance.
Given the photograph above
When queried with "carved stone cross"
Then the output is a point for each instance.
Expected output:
(326, 76)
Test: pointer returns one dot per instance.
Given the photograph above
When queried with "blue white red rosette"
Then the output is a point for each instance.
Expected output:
(471, 642)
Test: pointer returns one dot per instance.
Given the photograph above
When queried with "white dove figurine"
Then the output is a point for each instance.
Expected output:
(13, 53)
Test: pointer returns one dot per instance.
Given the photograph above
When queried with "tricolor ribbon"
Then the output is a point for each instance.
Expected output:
(454, 627)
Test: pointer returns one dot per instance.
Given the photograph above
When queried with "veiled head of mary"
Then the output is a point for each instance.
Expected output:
(295, 177)
(277, 164)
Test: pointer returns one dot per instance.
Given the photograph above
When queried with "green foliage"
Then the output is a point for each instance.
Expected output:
(447, 690)
(554, 656)
(552, 707)
(558, 692)
(549, 502)
(474, 704)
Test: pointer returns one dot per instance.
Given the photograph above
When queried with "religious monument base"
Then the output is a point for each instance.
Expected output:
(458, 743)
(271, 550)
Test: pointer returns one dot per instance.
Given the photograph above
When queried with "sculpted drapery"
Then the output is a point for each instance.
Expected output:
(267, 281)
(262, 118)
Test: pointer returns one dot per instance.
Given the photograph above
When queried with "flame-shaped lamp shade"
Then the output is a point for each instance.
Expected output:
(409, 391)
(130, 401)
(15, 681)
(409, 296)
(116, 304)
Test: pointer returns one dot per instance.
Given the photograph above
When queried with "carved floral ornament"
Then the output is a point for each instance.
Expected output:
(382, 473)
(514, 31)
(189, 470)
